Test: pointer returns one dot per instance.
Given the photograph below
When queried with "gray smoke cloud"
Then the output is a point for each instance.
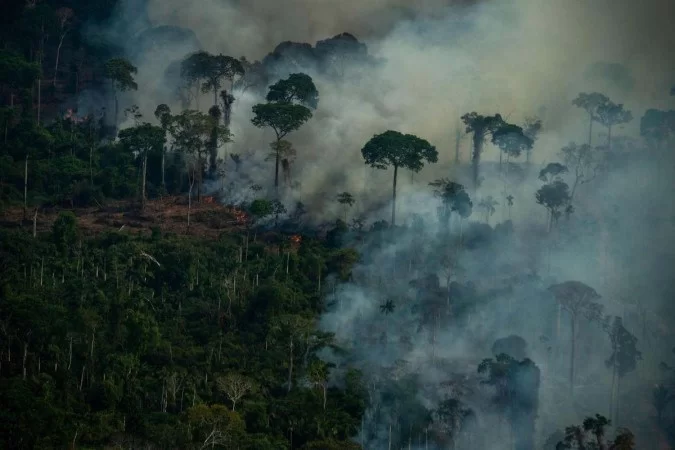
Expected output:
(437, 60)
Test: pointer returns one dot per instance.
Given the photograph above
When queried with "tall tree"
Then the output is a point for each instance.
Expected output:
(488, 205)
(512, 140)
(454, 198)
(398, 150)
(193, 134)
(346, 200)
(584, 162)
(590, 103)
(623, 359)
(481, 126)
(610, 115)
(580, 301)
(121, 73)
(141, 140)
(194, 70)
(218, 68)
(531, 129)
(297, 88)
(64, 18)
(163, 114)
(282, 118)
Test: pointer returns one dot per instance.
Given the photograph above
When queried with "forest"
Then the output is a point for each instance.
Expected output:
(427, 237)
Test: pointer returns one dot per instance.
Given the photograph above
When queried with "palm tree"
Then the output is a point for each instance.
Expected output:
(488, 204)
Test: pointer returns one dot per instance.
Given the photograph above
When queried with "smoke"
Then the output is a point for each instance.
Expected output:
(434, 61)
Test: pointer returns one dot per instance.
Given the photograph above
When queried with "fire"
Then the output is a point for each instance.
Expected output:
(296, 239)
(72, 115)
(209, 200)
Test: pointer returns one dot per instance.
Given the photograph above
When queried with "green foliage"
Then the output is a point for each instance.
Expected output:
(142, 338)
(121, 73)
(282, 118)
(298, 87)
(398, 150)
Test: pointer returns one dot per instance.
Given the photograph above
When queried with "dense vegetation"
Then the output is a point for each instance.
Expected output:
(179, 340)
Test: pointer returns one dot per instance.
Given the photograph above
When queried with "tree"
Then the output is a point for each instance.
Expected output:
(481, 126)
(346, 200)
(450, 417)
(64, 17)
(590, 103)
(297, 88)
(194, 132)
(235, 386)
(623, 359)
(554, 196)
(552, 172)
(579, 300)
(509, 201)
(216, 68)
(512, 140)
(488, 205)
(121, 73)
(610, 115)
(531, 129)
(454, 198)
(405, 151)
(141, 140)
(194, 69)
(657, 126)
(260, 209)
(584, 162)
(163, 114)
(576, 436)
(318, 373)
(282, 118)
(284, 151)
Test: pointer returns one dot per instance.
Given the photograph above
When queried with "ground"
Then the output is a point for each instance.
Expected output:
(208, 218)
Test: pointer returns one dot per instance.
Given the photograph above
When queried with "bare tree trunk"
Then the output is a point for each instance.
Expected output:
(25, 358)
(39, 106)
(276, 165)
(143, 182)
(290, 365)
(58, 54)
(590, 129)
(35, 223)
(393, 203)
(25, 186)
(572, 354)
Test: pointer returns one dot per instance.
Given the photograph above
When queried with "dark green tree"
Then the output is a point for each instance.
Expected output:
(590, 103)
(610, 114)
(398, 150)
(142, 140)
(121, 73)
(282, 118)
(580, 301)
(297, 88)
(481, 127)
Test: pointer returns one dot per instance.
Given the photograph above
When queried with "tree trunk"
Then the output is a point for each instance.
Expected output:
(58, 54)
(290, 365)
(475, 158)
(325, 396)
(609, 138)
(25, 186)
(590, 129)
(35, 223)
(39, 105)
(25, 358)
(611, 393)
(458, 138)
(91, 166)
(393, 203)
(143, 182)
(163, 165)
(276, 165)
(572, 354)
